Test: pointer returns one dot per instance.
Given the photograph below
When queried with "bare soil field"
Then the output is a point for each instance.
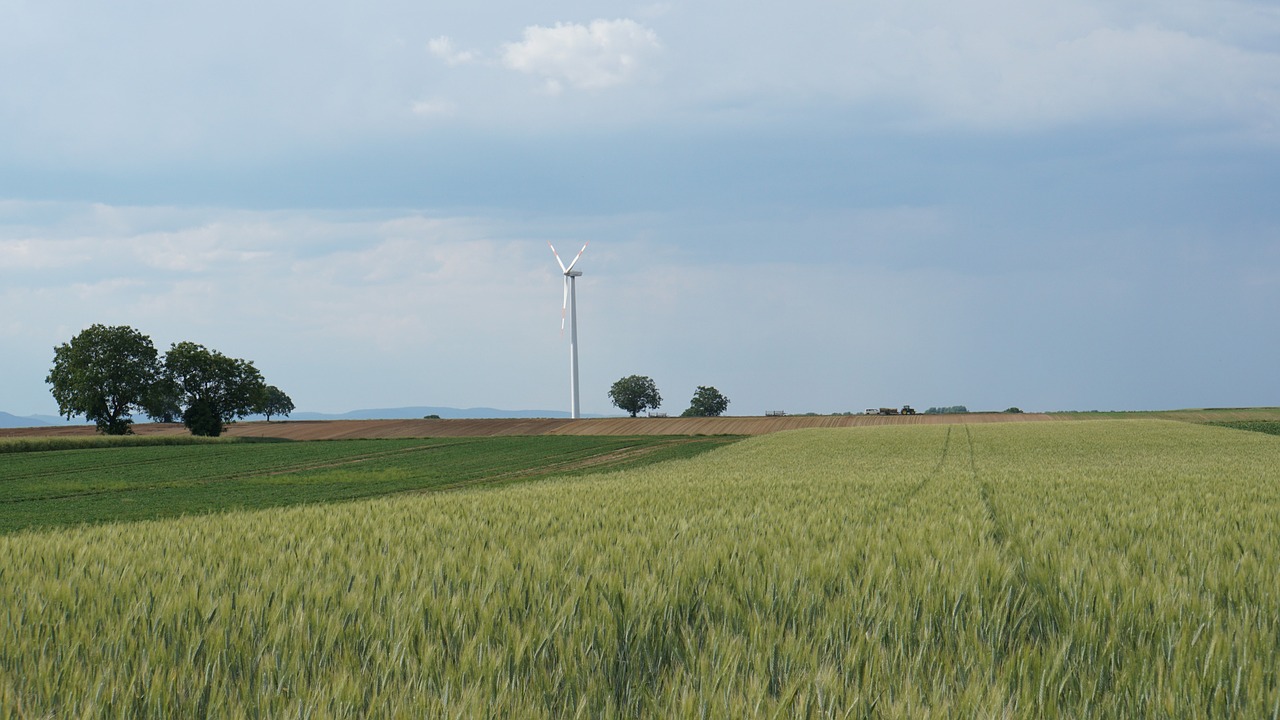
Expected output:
(367, 429)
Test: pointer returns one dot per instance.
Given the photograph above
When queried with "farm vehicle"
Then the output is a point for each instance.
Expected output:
(906, 410)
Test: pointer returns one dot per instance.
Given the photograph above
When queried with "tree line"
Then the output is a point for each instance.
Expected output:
(637, 393)
(108, 373)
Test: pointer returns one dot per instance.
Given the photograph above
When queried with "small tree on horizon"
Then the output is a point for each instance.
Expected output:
(273, 401)
(707, 402)
(634, 394)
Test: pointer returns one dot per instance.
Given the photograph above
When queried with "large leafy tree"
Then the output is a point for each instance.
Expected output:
(707, 402)
(634, 394)
(163, 401)
(104, 373)
(214, 389)
(273, 401)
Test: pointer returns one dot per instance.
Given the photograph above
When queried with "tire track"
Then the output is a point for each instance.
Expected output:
(910, 493)
(601, 461)
(1038, 610)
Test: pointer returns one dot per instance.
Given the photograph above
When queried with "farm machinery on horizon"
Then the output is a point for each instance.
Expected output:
(906, 410)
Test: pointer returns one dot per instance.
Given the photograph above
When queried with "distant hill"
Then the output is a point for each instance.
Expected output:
(13, 421)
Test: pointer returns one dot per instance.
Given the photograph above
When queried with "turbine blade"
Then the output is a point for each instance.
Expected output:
(563, 269)
(575, 259)
(564, 308)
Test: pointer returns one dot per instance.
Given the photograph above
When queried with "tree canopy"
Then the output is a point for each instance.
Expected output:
(163, 401)
(215, 389)
(104, 373)
(272, 401)
(634, 394)
(107, 373)
(707, 402)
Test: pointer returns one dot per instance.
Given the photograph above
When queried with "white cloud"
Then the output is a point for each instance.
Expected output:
(442, 47)
(602, 54)
(27, 254)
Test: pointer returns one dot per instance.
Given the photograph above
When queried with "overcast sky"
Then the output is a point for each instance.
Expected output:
(814, 206)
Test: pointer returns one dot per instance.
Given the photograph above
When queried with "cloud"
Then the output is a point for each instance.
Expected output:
(371, 290)
(1018, 68)
(442, 47)
(111, 89)
(602, 54)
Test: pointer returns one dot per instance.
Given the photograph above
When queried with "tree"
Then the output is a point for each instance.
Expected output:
(706, 402)
(104, 373)
(273, 401)
(163, 401)
(634, 394)
(215, 389)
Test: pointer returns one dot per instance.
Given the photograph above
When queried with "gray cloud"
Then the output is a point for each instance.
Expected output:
(1035, 200)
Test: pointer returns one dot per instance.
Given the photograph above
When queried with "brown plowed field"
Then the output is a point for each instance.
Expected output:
(353, 429)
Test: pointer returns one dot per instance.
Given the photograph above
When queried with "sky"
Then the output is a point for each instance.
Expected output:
(813, 206)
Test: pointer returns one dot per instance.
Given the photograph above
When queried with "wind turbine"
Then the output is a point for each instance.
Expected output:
(571, 308)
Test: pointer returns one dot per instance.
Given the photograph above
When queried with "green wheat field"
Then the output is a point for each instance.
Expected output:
(1100, 568)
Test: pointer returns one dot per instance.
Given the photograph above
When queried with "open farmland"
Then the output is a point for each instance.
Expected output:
(1084, 569)
(366, 429)
(68, 480)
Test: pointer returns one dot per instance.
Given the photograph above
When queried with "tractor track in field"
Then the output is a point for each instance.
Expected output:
(344, 462)
(1045, 604)
(911, 492)
(603, 459)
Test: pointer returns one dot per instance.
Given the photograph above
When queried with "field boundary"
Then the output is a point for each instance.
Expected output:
(621, 426)
(378, 429)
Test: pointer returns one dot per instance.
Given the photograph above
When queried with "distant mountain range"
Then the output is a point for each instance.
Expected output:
(8, 420)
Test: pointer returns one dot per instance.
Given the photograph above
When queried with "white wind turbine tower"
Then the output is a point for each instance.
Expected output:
(571, 308)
